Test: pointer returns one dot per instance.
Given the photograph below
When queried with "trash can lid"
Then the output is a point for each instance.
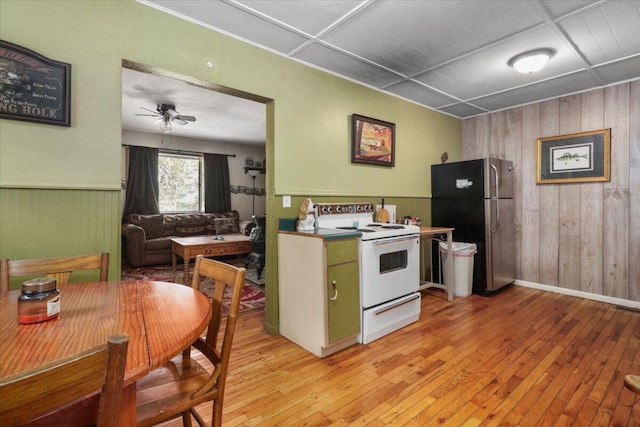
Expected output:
(459, 248)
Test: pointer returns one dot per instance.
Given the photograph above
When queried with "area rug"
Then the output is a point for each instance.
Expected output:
(252, 295)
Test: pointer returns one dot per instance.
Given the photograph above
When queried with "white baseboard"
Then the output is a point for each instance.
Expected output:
(602, 298)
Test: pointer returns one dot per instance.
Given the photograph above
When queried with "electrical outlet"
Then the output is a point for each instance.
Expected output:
(286, 201)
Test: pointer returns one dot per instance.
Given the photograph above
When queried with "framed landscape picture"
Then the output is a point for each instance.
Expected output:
(373, 141)
(577, 157)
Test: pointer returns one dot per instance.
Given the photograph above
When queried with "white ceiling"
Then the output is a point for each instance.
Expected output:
(450, 56)
(219, 117)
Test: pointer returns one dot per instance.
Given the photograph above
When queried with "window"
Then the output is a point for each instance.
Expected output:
(181, 182)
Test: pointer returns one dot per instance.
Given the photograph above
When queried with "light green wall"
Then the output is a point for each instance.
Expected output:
(308, 140)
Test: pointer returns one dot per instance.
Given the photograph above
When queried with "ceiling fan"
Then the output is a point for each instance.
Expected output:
(167, 115)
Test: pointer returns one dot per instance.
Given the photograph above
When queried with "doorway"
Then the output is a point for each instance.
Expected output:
(244, 143)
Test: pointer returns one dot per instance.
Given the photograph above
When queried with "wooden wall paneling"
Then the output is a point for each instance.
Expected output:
(513, 152)
(634, 190)
(42, 223)
(568, 202)
(549, 126)
(482, 137)
(607, 215)
(530, 213)
(496, 134)
(591, 205)
(616, 194)
(468, 139)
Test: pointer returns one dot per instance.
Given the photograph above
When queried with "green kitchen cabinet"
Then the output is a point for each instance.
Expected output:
(319, 290)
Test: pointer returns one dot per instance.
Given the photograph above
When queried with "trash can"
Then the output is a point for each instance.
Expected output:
(463, 254)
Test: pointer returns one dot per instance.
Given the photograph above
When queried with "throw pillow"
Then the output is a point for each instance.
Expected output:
(189, 225)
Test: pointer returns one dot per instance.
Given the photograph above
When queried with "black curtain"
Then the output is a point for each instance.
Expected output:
(217, 197)
(142, 182)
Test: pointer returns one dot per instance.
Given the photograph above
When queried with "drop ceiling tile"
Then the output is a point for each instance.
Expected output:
(334, 61)
(619, 71)
(309, 16)
(558, 8)
(561, 86)
(600, 40)
(227, 18)
(462, 110)
(420, 94)
(488, 71)
(592, 35)
(623, 18)
(409, 36)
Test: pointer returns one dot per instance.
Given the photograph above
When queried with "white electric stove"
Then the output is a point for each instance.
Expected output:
(389, 267)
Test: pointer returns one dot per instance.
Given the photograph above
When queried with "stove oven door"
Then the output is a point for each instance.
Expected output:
(389, 268)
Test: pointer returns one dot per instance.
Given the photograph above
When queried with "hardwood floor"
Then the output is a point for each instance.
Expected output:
(520, 358)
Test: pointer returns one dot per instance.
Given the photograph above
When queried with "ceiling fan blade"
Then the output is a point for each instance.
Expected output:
(185, 118)
(147, 115)
(151, 111)
(178, 121)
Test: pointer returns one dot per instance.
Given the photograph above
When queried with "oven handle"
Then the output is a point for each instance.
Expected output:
(377, 313)
(383, 242)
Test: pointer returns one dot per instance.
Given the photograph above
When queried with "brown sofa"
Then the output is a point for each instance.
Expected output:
(147, 238)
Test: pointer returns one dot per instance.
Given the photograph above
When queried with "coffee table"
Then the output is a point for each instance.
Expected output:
(188, 248)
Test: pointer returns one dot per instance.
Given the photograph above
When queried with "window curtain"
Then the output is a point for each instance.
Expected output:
(217, 197)
(142, 182)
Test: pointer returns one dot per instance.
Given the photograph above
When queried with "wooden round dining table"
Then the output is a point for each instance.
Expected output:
(161, 319)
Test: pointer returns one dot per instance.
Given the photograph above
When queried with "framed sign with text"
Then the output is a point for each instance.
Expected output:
(33, 88)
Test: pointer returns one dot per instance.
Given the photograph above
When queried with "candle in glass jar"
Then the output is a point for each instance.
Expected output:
(39, 301)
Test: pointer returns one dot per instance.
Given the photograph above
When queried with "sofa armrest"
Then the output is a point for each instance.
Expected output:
(242, 226)
(135, 240)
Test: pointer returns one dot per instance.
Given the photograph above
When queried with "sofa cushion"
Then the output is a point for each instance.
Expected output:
(226, 225)
(151, 224)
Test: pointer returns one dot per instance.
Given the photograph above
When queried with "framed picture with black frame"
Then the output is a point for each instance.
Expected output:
(373, 141)
(34, 88)
(576, 157)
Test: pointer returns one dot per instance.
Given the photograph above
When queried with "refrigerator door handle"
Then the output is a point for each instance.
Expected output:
(497, 185)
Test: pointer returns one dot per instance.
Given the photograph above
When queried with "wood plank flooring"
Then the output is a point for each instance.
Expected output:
(520, 358)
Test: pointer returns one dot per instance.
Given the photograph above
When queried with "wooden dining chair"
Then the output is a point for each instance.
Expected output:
(178, 387)
(36, 392)
(59, 268)
(632, 382)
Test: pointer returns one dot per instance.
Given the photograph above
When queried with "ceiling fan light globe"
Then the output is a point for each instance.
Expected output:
(165, 126)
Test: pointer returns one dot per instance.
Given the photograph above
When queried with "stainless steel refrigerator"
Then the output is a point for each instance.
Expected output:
(475, 197)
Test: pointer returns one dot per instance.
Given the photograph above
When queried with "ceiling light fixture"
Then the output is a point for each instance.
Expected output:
(532, 61)
(165, 124)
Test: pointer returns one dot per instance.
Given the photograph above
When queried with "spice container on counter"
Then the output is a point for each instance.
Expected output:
(39, 301)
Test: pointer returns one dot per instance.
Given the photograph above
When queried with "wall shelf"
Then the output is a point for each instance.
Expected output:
(261, 170)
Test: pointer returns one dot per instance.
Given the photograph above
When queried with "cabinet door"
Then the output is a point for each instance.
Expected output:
(343, 301)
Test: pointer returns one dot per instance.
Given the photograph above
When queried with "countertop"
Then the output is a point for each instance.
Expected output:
(326, 233)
